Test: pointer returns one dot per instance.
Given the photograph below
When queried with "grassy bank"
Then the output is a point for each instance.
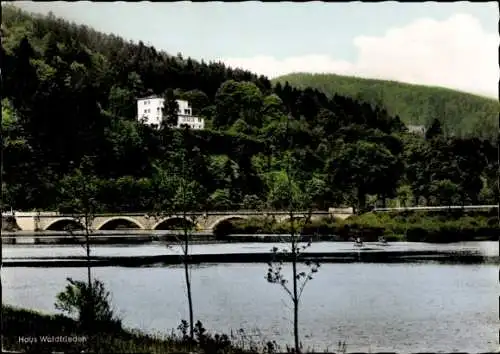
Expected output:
(412, 226)
(34, 332)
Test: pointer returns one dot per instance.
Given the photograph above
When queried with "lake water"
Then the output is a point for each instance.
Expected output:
(487, 248)
(404, 308)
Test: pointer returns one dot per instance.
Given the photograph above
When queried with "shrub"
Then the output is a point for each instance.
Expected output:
(92, 306)
(9, 223)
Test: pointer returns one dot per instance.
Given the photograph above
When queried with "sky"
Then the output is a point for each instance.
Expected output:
(452, 45)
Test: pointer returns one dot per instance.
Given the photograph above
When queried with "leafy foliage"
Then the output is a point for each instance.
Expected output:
(74, 300)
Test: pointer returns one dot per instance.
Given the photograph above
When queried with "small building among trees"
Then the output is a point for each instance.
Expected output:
(152, 111)
(417, 129)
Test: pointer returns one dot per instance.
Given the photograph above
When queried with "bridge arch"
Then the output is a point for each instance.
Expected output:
(173, 220)
(127, 219)
(226, 218)
(63, 224)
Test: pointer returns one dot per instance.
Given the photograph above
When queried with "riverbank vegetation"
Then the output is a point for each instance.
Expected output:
(58, 333)
(413, 226)
(69, 92)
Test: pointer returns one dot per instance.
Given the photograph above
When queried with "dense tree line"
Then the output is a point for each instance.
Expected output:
(70, 93)
(462, 114)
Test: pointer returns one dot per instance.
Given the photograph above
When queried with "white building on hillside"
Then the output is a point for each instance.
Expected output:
(416, 129)
(150, 109)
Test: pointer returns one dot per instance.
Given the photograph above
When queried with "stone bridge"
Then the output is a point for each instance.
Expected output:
(45, 221)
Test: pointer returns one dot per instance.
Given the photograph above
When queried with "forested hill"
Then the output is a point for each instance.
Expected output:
(70, 134)
(461, 113)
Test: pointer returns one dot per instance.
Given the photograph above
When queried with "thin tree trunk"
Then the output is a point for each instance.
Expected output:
(295, 307)
(294, 251)
(361, 200)
(295, 292)
(90, 309)
(188, 280)
(498, 179)
(87, 241)
(190, 301)
(186, 251)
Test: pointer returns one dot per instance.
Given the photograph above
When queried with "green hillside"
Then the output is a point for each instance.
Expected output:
(69, 105)
(462, 114)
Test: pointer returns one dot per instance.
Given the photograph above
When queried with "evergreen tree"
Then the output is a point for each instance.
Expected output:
(434, 130)
(170, 109)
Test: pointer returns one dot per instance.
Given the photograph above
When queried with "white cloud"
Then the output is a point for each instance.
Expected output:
(455, 53)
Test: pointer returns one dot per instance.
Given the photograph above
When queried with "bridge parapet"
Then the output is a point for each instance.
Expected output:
(341, 213)
(41, 221)
(436, 208)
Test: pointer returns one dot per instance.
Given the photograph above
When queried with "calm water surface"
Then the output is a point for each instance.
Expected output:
(486, 248)
(378, 307)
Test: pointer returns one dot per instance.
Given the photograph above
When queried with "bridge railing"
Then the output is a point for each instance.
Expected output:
(438, 207)
(144, 214)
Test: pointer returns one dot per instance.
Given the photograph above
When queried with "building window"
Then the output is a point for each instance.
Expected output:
(187, 111)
